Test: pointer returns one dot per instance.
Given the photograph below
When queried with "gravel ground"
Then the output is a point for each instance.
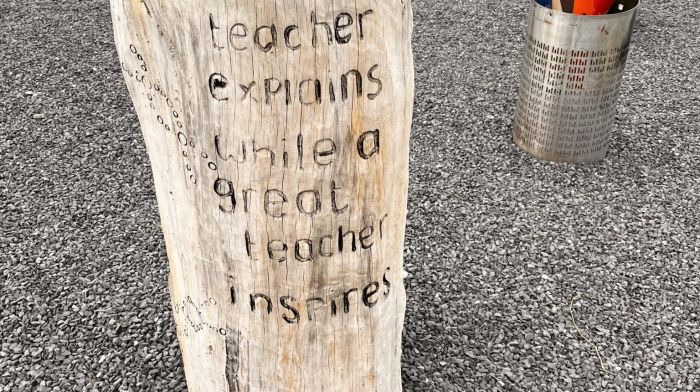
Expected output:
(502, 249)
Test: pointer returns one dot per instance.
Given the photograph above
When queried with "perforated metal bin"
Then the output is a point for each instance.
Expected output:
(571, 75)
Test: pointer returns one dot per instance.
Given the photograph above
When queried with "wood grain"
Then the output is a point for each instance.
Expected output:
(278, 136)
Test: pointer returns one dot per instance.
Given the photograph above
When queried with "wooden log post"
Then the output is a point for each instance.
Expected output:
(278, 136)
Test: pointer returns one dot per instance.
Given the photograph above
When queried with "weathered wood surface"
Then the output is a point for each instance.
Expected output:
(278, 136)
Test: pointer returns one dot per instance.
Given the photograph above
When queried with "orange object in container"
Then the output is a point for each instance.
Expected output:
(592, 7)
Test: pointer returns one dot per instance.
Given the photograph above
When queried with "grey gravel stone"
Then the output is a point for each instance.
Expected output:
(506, 254)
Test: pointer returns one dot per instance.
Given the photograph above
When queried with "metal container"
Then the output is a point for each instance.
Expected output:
(571, 75)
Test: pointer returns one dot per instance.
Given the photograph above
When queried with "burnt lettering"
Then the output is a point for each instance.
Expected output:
(315, 306)
(274, 203)
(224, 188)
(366, 152)
(341, 239)
(334, 200)
(249, 244)
(313, 198)
(381, 224)
(386, 283)
(315, 25)
(269, 92)
(346, 300)
(344, 84)
(315, 89)
(217, 86)
(288, 37)
(254, 297)
(360, 18)
(277, 251)
(300, 150)
(270, 153)
(212, 27)
(374, 80)
(246, 200)
(366, 236)
(285, 303)
(238, 31)
(334, 308)
(368, 293)
(248, 91)
(324, 152)
(303, 250)
(342, 22)
(325, 247)
(217, 147)
(311, 309)
(272, 38)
